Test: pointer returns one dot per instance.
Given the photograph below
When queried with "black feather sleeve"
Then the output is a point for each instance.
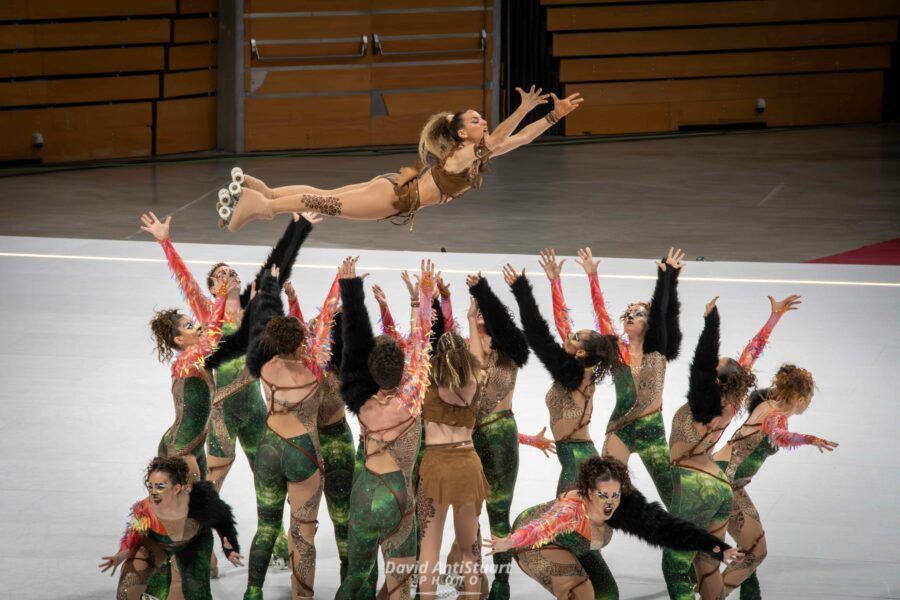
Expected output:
(655, 339)
(235, 345)
(650, 522)
(357, 385)
(704, 394)
(673, 319)
(208, 509)
(283, 253)
(268, 305)
(563, 367)
(507, 338)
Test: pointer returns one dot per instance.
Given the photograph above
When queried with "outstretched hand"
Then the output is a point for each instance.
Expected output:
(586, 261)
(158, 229)
(563, 107)
(730, 554)
(113, 562)
(531, 98)
(497, 545)
(545, 444)
(473, 280)
(710, 306)
(347, 270)
(510, 276)
(312, 217)
(426, 279)
(379, 294)
(411, 287)
(782, 306)
(824, 445)
(442, 286)
(548, 262)
(674, 259)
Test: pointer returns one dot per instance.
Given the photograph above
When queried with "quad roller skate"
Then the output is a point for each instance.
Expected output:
(229, 196)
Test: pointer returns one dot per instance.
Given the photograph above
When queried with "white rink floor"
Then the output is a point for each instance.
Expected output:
(84, 404)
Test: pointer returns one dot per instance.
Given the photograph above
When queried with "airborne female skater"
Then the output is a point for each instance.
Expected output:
(453, 149)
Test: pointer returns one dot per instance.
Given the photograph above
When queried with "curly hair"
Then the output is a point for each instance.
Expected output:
(602, 354)
(792, 383)
(643, 303)
(602, 468)
(210, 280)
(283, 335)
(452, 365)
(735, 380)
(163, 331)
(176, 468)
(440, 136)
(386, 363)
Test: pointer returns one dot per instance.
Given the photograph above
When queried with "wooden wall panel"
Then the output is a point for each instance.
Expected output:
(282, 6)
(81, 62)
(395, 77)
(724, 38)
(88, 33)
(437, 22)
(318, 122)
(298, 28)
(189, 83)
(712, 65)
(312, 81)
(626, 107)
(196, 30)
(185, 125)
(73, 91)
(78, 133)
(195, 56)
(715, 13)
(69, 9)
(197, 6)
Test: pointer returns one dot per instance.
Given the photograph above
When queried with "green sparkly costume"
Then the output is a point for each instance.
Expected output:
(557, 539)
(279, 460)
(382, 504)
(641, 387)
(496, 436)
(571, 453)
(338, 453)
(700, 497)
(192, 406)
(152, 548)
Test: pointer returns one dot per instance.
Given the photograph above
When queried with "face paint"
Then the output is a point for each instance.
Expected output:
(634, 313)
(608, 502)
(156, 489)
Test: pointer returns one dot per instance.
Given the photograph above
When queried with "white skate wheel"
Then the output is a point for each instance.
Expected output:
(225, 212)
(234, 188)
(224, 195)
(227, 200)
(237, 175)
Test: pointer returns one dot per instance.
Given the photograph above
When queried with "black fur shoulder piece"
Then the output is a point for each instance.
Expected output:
(357, 385)
(268, 305)
(650, 522)
(704, 393)
(756, 398)
(565, 369)
(235, 345)
(505, 336)
(283, 253)
(208, 509)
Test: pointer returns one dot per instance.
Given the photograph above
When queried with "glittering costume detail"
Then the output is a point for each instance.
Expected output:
(152, 548)
(382, 505)
(500, 379)
(571, 453)
(326, 205)
(757, 344)
(191, 398)
(338, 450)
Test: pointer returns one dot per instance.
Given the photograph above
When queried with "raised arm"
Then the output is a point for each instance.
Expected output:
(673, 320)
(604, 323)
(415, 377)
(209, 509)
(268, 305)
(201, 306)
(319, 348)
(446, 304)
(388, 325)
(650, 522)
(553, 269)
(193, 360)
(656, 338)
(284, 252)
(755, 347)
(704, 393)
(505, 335)
(529, 133)
(564, 368)
(235, 345)
(357, 385)
(528, 102)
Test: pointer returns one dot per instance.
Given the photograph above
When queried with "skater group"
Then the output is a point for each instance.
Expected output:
(434, 409)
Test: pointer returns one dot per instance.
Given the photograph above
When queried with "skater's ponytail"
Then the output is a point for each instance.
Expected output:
(452, 365)
(440, 136)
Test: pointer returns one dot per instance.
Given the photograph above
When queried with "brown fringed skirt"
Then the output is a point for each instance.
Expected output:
(406, 188)
(452, 475)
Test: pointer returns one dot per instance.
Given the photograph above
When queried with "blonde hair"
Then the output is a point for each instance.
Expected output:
(439, 136)
(452, 365)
